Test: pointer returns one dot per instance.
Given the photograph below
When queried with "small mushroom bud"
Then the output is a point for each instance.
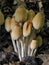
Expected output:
(27, 27)
(20, 14)
(39, 39)
(31, 15)
(16, 32)
(33, 46)
(31, 37)
(1, 18)
(38, 20)
(8, 24)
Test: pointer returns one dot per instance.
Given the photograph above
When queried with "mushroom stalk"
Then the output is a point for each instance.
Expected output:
(26, 46)
(25, 49)
(29, 50)
(22, 49)
(14, 45)
(22, 46)
(19, 52)
(33, 52)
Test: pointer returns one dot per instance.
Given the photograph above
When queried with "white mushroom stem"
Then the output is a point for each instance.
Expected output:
(19, 51)
(25, 49)
(33, 52)
(26, 46)
(14, 45)
(29, 50)
(22, 49)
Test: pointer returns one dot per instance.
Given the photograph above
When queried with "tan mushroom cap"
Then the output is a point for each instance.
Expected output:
(1, 18)
(20, 14)
(39, 39)
(31, 15)
(38, 20)
(8, 24)
(16, 32)
(13, 23)
(33, 44)
(27, 27)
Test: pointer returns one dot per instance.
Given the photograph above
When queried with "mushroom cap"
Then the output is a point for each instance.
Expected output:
(1, 18)
(16, 32)
(39, 39)
(31, 15)
(38, 20)
(8, 24)
(27, 27)
(33, 44)
(13, 23)
(20, 14)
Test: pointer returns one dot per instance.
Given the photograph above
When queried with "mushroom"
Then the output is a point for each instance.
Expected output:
(27, 27)
(33, 47)
(1, 18)
(20, 14)
(39, 39)
(31, 37)
(15, 35)
(31, 15)
(8, 24)
(38, 20)
(8, 29)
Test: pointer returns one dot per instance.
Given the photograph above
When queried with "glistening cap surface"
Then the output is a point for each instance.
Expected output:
(16, 32)
(8, 24)
(27, 27)
(20, 14)
(33, 44)
(38, 20)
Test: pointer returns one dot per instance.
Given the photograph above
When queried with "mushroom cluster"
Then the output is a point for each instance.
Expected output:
(23, 27)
